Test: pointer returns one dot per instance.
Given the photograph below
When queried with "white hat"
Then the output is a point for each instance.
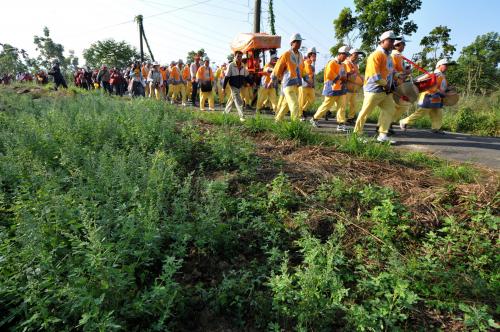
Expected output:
(388, 35)
(312, 50)
(344, 49)
(296, 36)
(355, 50)
(402, 40)
(156, 63)
(206, 58)
(443, 62)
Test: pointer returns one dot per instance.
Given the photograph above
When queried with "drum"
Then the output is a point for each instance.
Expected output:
(354, 83)
(406, 92)
(451, 98)
(425, 82)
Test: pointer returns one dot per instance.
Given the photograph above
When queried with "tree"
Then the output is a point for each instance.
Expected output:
(191, 54)
(112, 53)
(230, 57)
(49, 50)
(271, 18)
(10, 61)
(436, 46)
(477, 69)
(373, 18)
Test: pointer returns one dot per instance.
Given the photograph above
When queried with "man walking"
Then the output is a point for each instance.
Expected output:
(236, 76)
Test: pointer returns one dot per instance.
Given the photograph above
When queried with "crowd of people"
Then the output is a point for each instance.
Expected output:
(284, 85)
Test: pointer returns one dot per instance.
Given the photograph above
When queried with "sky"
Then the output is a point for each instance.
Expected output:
(175, 27)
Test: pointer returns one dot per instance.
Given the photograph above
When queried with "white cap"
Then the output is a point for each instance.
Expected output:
(312, 50)
(296, 36)
(355, 50)
(402, 40)
(206, 58)
(344, 49)
(156, 63)
(388, 35)
(443, 62)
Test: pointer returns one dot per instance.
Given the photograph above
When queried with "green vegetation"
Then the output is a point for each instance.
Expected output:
(130, 215)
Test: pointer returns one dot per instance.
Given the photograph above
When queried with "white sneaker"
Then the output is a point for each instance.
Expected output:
(242, 119)
(314, 123)
(402, 125)
(184, 104)
(383, 138)
(343, 128)
(172, 102)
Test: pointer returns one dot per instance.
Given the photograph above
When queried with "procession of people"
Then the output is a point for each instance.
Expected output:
(285, 85)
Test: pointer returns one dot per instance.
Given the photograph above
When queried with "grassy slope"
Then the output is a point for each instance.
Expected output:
(130, 215)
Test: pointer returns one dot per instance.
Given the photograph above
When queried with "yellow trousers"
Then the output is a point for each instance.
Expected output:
(178, 90)
(282, 103)
(351, 102)
(332, 103)
(436, 115)
(156, 91)
(399, 110)
(189, 88)
(384, 102)
(220, 93)
(266, 95)
(291, 103)
(204, 96)
(246, 95)
(306, 99)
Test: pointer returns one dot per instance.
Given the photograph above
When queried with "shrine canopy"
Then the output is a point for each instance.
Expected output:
(245, 42)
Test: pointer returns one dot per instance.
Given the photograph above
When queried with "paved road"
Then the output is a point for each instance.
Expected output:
(484, 151)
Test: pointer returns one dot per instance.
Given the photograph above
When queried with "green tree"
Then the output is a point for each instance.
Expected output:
(110, 52)
(372, 17)
(10, 60)
(477, 69)
(271, 18)
(49, 50)
(436, 46)
(191, 54)
(230, 57)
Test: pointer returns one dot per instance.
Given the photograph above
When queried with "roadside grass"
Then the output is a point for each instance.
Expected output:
(132, 215)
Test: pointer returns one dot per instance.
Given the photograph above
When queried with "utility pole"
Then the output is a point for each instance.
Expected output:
(138, 19)
(142, 36)
(256, 17)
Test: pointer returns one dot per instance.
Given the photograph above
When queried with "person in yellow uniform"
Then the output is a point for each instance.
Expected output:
(164, 77)
(177, 87)
(352, 69)
(431, 101)
(401, 72)
(289, 69)
(378, 87)
(306, 91)
(186, 75)
(220, 73)
(267, 92)
(146, 67)
(205, 79)
(334, 90)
